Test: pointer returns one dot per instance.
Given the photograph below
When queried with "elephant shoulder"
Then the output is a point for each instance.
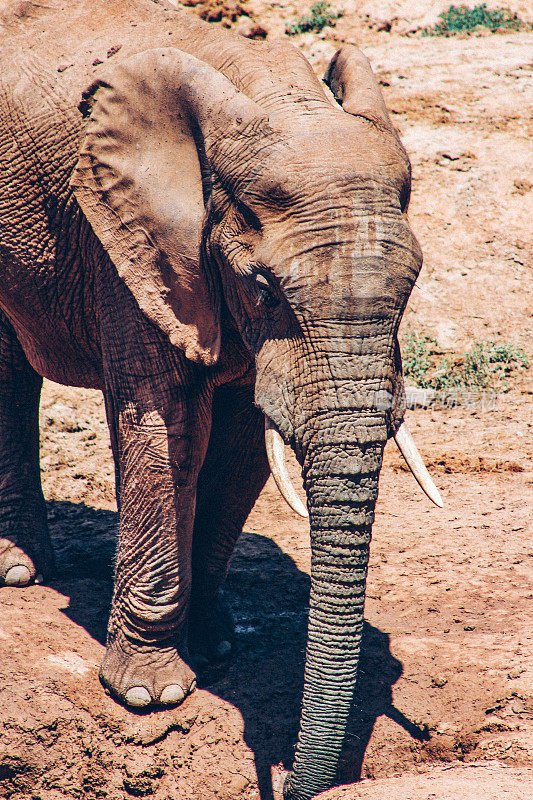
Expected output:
(38, 113)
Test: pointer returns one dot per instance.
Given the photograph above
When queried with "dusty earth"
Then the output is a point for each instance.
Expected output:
(445, 701)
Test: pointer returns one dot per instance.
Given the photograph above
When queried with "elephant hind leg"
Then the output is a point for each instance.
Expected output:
(25, 547)
(234, 471)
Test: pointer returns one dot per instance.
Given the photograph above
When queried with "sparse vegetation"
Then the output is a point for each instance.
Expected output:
(486, 365)
(419, 355)
(320, 15)
(461, 19)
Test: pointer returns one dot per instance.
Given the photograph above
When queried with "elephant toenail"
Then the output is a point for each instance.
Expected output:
(172, 694)
(138, 697)
(192, 687)
(223, 649)
(18, 576)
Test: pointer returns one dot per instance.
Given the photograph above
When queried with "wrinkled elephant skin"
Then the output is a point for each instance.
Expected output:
(191, 224)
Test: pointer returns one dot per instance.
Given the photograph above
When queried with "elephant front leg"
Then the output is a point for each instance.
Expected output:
(234, 471)
(158, 463)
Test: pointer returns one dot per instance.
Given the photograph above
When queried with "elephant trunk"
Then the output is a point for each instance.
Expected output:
(341, 480)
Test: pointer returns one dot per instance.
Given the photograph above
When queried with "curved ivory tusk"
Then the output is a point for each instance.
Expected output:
(275, 448)
(408, 449)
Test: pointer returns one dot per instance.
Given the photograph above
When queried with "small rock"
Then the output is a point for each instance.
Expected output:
(445, 729)
(237, 784)
(439, 680)
(455, 159)
(114, 50)
(522, 186)
(515, 672)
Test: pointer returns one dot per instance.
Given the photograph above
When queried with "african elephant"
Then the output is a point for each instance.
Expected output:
(190, 223)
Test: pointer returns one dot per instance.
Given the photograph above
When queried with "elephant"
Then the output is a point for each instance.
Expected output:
(192, 223)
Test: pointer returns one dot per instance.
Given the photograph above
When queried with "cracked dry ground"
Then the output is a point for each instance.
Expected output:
(446, 675)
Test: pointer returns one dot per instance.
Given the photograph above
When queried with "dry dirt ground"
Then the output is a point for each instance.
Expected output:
(444, 707)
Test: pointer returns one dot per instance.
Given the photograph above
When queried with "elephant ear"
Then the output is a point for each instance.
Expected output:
(138, 181)
(354, 85)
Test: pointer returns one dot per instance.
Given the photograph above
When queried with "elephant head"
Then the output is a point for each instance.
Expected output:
(291, 215)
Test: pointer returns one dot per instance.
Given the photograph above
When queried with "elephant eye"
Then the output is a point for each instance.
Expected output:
(250, 219)
(265, 294)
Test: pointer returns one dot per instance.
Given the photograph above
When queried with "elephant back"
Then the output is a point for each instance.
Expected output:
(75, 44)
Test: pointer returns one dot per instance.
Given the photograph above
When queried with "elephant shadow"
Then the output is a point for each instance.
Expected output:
(263, 679)
(84, 541)
(269, 598)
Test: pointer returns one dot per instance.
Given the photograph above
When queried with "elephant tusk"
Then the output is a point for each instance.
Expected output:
(275, 448)
(408, 449)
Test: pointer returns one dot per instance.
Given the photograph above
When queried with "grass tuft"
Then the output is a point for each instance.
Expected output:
(461, 19)
(320, 15)
(486, 365)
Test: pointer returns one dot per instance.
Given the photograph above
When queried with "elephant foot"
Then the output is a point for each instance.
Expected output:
(140, 676)
(211, 630)
(17, 568)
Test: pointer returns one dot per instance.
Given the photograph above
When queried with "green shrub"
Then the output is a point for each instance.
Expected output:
(321, 14)
(486, 365)
(418, 357)
(458, 19)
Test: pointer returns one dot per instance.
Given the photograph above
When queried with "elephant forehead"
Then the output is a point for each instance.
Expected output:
(348, 251)
(332, 159)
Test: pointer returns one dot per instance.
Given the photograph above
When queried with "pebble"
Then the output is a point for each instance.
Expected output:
(515, 672)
